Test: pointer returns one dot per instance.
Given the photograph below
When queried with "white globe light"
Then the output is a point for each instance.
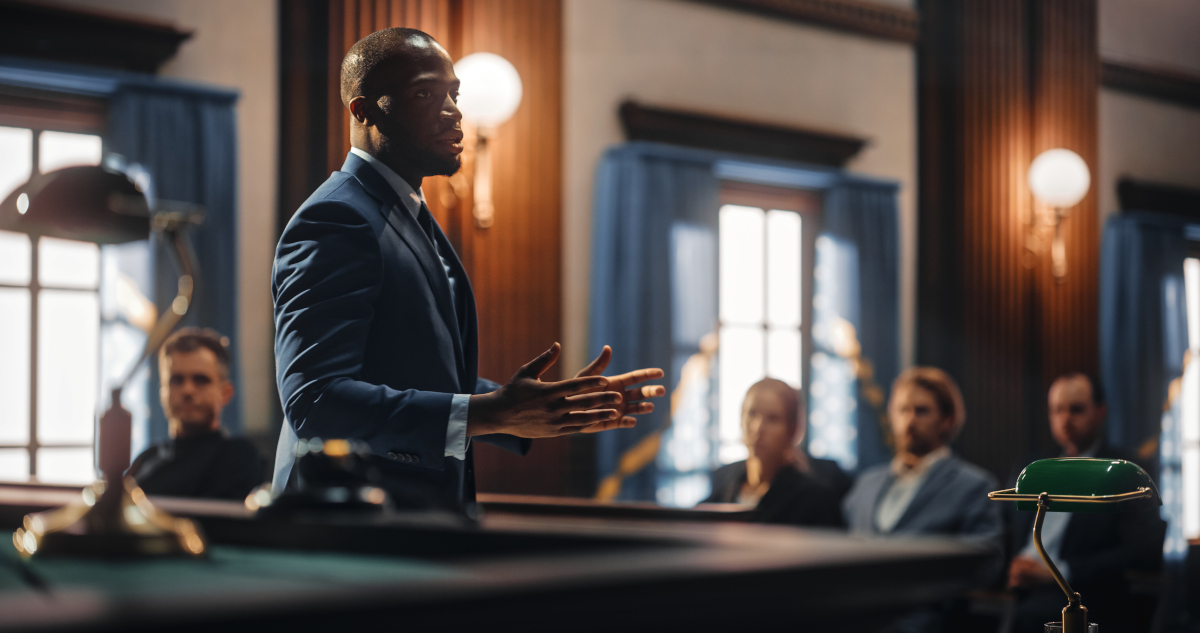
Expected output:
(490, 89)
(1059, 178)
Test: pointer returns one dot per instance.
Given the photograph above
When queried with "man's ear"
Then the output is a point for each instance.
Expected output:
(359, 110)
(226, 392)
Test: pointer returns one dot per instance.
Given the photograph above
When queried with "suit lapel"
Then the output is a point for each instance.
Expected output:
(410, 231)
(933, 485)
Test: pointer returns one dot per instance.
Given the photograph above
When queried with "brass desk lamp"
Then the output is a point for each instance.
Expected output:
(1078, 484)
(113, 517)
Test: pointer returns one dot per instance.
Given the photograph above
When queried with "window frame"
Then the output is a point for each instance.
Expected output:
(40, 111)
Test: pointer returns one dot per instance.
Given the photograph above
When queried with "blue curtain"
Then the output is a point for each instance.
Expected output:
(861, 221)
(187, 142)
(184, 135)
(655, 208)
(640, 191)
(1143, 324)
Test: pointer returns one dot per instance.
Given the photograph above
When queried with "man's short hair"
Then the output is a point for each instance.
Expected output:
(367, 54)
(1098, 396)
(937, 382)
(190, 339)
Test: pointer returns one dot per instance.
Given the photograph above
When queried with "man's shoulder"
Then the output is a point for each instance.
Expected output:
(969, 474)
(341, 198)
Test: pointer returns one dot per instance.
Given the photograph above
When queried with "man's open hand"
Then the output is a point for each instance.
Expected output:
(633, 401)
(529, 407)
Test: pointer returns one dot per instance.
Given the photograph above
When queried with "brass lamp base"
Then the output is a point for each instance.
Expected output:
(108, 522)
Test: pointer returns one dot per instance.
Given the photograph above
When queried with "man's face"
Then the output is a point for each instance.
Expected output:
(918, 425)
(413, 101)
(1074, 419)
(194, 390)
(766, 431)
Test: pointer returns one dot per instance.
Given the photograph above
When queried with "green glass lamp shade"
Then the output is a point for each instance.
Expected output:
(1101, 479)
(89, 204)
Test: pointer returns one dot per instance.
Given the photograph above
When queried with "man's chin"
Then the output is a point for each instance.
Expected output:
(445, 166)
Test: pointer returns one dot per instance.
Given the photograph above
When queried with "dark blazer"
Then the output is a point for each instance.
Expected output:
(207, 466)
(369, 344)
(1099, 549)
(794, 498)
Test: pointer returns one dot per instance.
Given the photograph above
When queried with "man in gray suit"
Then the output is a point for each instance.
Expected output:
(926, 489)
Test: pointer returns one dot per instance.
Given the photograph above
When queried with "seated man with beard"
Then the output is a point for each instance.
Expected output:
(199, 460)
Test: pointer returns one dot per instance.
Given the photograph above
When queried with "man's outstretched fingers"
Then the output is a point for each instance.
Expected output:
(641, 393)
(591, 416)
(539, 365)
(639, 408)
(586, 401)
(577, 386)
(597, 367)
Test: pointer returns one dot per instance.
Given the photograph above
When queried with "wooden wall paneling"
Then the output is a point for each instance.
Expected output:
(998, 82)
(516, 264)
(1066, 75)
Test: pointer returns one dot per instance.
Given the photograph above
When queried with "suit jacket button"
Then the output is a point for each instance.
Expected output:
(416, 459)
(392, 455)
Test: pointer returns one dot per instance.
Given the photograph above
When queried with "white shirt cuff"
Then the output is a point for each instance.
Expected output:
(456, 430)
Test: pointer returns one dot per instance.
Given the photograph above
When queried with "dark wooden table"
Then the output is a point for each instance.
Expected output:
(530, 564)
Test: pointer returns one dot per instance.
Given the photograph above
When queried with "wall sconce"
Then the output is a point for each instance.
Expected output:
(1059, 179)
(489, 94)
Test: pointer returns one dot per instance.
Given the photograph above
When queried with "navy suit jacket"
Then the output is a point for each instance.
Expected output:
(369, 342)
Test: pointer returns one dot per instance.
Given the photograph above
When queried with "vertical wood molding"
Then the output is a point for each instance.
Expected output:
(515, 265)
(997, 83)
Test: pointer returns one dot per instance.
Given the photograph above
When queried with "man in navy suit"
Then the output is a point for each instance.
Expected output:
(376, 336)
(1095, 551)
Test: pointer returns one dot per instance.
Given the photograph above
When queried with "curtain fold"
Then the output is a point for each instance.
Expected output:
(859, 254)
(188, 145)
(1143, 323)
(638, 195)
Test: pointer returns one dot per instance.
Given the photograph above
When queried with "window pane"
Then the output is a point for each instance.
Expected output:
(66, 466)
(783, 268)
(14, 365)
(68, 334)
(15, 250)
(741, 365)
(741, 263)
(1191, 284)
(61, 149)
(14, 464)
(68, 264)
(16, 158)
(783, 356)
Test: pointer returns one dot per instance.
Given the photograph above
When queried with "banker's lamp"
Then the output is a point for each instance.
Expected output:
(1059, 179)
(1078, 484)
(112, 517)
(488, 95)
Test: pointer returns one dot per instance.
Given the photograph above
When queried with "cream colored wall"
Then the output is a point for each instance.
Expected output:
(235, 44)
(693, 56)
(1144, 138)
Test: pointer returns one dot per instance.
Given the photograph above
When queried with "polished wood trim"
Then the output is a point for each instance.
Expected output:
(92, 38)
(39, 110)
(1156, 83)
(739, 136)
(1139, 195)
(853, 16)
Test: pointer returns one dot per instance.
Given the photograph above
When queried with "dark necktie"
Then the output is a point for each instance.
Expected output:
(425, 219)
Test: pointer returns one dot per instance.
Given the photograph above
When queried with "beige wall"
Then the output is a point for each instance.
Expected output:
(693, 56)
(235, 44)
(1145, 138)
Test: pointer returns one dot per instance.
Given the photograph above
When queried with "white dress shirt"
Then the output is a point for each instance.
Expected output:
(456, 430)
(904, 487)
(1054, 528)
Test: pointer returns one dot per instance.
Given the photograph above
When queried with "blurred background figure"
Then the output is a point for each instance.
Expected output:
(199, 460)
(926, 489)
(1096, 552)
(784, 483)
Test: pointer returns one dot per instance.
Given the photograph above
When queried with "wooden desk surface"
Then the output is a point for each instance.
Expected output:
(542, 571)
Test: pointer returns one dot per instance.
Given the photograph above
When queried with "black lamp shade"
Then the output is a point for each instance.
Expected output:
(89, 204)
